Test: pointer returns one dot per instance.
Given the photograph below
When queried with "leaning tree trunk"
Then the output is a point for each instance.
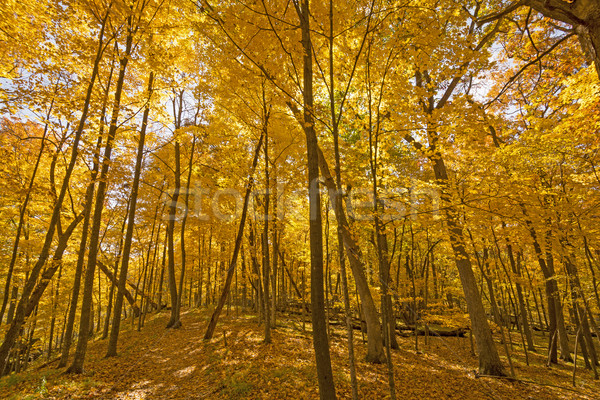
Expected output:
(183, 224)
(489, 360)
(28, 303)
(88, 287)
(236, 249)
(22, 210)
(20, 312)
(89, 200)
(114, 333)
(375, 353)
(340, 241)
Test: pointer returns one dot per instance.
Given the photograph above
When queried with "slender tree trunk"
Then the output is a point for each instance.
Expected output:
(115, 283)
(162, 272)
(552, 294)
(319, 326)
(275, 238)
(375, 351)
(114, 333)
(524, 314)
(183, 224)
(489, 360)
(265, 236)
(202, 255)
(381, 244)
(174, 321)
(21, 314)
(53, 318)
(22, 210)
(565, 351)
(236, 249)
(577, 293)
(86, 304)
(111, 294)
(89, 199)
(28, 304)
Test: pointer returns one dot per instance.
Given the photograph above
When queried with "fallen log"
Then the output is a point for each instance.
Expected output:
(407, 330)
(458, 332)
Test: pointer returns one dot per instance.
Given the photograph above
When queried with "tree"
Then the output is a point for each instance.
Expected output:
(114, 333)
(86, 303)
(320, 340)
(582, 15)
(24, 308)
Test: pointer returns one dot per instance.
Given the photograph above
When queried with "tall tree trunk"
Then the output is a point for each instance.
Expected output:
(320, 339)
(236, 249)
(340, 241)
(86, 304)
(28, 304)
(20, 314)
(381, 245)
(174, 321)
(524, 314)
(275, 238)
(375, 351)
(114, 332)
(550, 286)
(111, 294)
(489, 360)
(22, 210)
(565, 351)
(183, 224)
(577, 293)
(55, 295)
(162, 271)
(89, 200)
(265, 236)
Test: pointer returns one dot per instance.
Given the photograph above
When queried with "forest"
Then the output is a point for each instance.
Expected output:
(297, 199)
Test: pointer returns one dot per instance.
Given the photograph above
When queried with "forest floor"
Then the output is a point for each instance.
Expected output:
(159, 363)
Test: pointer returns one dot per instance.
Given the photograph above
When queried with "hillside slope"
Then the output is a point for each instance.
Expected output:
(157, 363)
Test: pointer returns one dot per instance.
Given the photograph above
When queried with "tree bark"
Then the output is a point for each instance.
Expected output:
(236, 249)
(20, 312)
(319, 325)
(583, 15)
(265, 236)
(375, 351)
(174, 321)
(27, 304)
(522, 307)
(86, 304)
(114, 332)
(183, 224)
(489, 360)
(22, 210)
